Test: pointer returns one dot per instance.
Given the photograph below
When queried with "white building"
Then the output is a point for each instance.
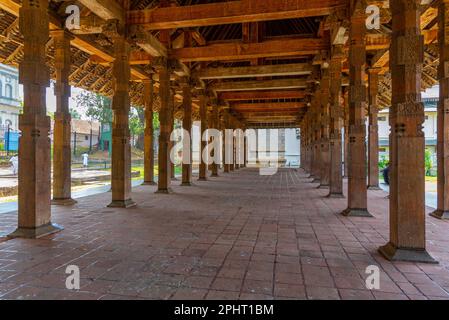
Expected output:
(430, 127)
(10, 105)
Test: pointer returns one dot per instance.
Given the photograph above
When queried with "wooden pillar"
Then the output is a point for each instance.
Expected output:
(407, 142)
(442, 211)
(165, 118)
(148, 134)
(336, 178)
(214, 125)
(316, 136)
(357, 191)
(121, 147)
(203, 128)
(325, 122)
(62, 154)
(232, 165)
(227, 141)
(34, 219)
(187, 126)
(346, 132)
(172, 143)
(373, 130)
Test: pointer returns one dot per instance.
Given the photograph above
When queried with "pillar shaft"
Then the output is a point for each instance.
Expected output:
(187, 126)
(442, 211)
(357, 191)
(346, 132)
(34, 217)
(325, 122)
(164, 135)
(214, 125)
(407, 208)
(121, 147)
(373, 131)
(62, 155)
(148, 134)
(203, 142)
(316, 136)
(336, 179)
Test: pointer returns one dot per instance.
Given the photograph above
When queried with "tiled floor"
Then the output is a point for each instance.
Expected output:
(239, 236)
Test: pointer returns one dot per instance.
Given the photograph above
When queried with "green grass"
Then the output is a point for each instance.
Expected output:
(178, 170)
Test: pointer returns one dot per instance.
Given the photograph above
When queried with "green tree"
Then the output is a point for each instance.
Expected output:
(75, 114)
(428, 162)
(137, 125)
(97, 106)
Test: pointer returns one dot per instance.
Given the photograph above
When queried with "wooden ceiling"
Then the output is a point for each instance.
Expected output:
(257, 56)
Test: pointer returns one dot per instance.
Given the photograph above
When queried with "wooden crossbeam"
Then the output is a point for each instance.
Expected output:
(261, 95)
(230, 12)
(255, 71)
(247, 51)
(105, 9)
(260, 85)
(269, 106)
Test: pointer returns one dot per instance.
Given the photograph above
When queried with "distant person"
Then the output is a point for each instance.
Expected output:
(85, 160)
(386, 174)
(15, 164)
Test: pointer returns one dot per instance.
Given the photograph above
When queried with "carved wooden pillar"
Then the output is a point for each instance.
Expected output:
(357, 191)
(407, 207)
(187, 126)
(172, 143)
(62, 155)
(316, 136)
(34, 147)
(232, 149)
(245, 149)
(148, 134)
(121, 147)
(336, 178)
(346, 131)
(214, 125)
(165, 119)
(442, 211)
(227, 136)
(203, 130)
(325, 122)
(373, 131)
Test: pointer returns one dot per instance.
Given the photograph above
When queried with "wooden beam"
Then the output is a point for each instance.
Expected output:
(255, 71)
(260, 85)
(247, 51)
(269, 106)
(230, 12)
(261, 95)
(105, 9)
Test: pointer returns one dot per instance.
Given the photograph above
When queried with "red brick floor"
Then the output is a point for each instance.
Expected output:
(239, 236)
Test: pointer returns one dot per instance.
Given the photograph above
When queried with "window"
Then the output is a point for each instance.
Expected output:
(8, 91)
(382, 118)
(86, 138)
(427, 117)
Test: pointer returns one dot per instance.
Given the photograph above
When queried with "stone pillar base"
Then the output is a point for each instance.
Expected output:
(122, 204)
(316, 180)
(186, 184)
(374, 188)
(323, 186)
(335, 196)
(35, 233)
(440, 214)
(215, 175)
(351, 212)
(164, 191)
(63, 202)
(202, 179)
(174, 179)
(149, 183)
(392, 253)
